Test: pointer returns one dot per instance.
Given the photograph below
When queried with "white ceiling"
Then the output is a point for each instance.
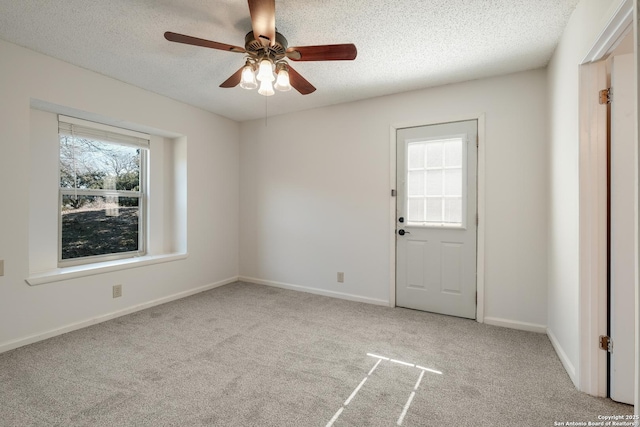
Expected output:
(402, 44)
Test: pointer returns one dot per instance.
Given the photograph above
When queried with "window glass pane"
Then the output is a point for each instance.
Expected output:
(434, 210)
(416, 155)
(434, 154)
(434, 183)
(453, 152)
(416, 210)
(94, 225)
(453, 210)
(415, 186)
(90, 164)
(453, 182)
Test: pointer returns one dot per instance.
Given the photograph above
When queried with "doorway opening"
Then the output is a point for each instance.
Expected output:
(608, 222)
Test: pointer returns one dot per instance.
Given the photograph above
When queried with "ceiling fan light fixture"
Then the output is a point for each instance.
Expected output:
(266, 88)
(266, 49)
(248, 80)
(282, 82)
(265, 71)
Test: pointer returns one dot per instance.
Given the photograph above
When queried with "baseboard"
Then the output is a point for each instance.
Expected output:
(310, 290)
(514, 324)
(568, 366)
(99, 319)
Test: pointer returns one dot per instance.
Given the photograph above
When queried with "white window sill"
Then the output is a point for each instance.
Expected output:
(74, 272)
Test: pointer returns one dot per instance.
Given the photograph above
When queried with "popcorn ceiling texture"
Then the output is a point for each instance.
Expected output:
(402, 45)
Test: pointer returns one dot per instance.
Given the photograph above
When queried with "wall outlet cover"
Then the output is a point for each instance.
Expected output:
(117, 291)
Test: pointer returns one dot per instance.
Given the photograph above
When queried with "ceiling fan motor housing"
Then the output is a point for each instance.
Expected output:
(257, 49)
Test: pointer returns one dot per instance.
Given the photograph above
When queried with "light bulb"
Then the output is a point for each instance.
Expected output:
(248, 80)
(266, 88)
(282, 83)
(265, 72)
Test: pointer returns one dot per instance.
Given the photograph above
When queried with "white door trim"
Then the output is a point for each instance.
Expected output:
(592, 314)
(636, 43)
(613, 33)
(481, 205)
(592, 372)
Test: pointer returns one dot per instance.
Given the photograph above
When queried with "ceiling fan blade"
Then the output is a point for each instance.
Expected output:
(327, 52)
(263, 20)
(181, 38)
(300, 83)
(234, 79)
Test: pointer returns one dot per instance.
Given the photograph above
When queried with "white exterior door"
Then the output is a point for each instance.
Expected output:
(622, 217)
(436, 218)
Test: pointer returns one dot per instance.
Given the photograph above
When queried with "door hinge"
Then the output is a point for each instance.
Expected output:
(477, 219)
(606, 343)
(393, 193)
(477, 141)
(605, 96)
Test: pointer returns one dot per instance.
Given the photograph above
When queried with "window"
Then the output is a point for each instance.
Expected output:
(102, 185)
(435, 177)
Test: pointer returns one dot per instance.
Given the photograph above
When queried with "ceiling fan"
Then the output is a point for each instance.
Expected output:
(266, 50)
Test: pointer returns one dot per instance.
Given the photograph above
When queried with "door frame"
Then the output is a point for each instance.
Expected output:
(592, 370)
(480, 258)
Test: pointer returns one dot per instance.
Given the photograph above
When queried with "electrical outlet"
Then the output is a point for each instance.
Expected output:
(340, 277)
(1, 267)
(117, 291)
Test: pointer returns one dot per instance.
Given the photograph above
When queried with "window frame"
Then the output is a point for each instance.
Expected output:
(141, 195)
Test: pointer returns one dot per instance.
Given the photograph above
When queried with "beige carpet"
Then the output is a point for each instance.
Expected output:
(250, 355)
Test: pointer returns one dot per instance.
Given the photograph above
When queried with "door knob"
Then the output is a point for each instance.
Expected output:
(402, 232)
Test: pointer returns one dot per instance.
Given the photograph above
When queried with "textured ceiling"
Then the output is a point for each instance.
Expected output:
(402, 44)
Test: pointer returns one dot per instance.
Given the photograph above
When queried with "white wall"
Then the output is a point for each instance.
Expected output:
(584, 26)
(212, 161)
(315, 193)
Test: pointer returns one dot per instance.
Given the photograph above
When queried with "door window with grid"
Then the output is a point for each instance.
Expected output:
(436, 182)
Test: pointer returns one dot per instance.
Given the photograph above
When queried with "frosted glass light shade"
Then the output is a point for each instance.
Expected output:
(282, 83)
(266, 88)
(248, 80)
(265, 72)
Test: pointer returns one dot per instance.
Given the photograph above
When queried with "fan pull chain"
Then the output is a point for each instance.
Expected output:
(266, 110)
